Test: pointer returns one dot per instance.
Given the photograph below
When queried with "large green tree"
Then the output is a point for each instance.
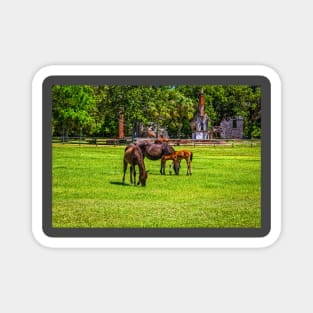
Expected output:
(74, 108)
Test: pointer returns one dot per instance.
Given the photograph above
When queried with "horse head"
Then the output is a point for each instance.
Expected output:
(143, 178)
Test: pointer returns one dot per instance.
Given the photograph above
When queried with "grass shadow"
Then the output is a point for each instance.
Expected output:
(118, 183)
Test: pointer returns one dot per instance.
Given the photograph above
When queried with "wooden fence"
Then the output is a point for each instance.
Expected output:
(101, 141)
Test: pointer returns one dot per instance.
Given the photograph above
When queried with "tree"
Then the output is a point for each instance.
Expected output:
(74, 108)
(96, 109)
(182, 111)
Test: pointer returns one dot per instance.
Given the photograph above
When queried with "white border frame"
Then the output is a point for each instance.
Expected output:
(153, 70)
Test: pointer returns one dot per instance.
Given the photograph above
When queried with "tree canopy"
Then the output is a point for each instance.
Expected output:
(95, 110)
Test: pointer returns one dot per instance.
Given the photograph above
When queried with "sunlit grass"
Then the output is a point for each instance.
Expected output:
(224, 190)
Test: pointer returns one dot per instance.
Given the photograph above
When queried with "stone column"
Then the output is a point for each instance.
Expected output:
(201, 103)
(121, 126)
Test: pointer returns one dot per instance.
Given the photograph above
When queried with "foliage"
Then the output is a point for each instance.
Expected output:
(74, 107)
(95, 110)
(256, 132)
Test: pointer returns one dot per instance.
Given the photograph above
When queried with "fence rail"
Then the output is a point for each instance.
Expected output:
(101, 141)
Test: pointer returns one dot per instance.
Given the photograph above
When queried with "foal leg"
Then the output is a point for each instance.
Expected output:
(173, 165)
(162, 169)
(188, 167)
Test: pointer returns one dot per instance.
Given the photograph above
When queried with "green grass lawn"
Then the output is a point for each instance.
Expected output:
(223, 191)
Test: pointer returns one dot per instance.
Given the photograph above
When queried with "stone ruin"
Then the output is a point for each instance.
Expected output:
(152, 130)
(232, 128)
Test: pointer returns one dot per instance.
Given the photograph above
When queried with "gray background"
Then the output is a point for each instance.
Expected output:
(39, 33)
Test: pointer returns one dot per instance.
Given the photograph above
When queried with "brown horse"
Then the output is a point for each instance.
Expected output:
(155, 151)
(176, 157)
(133, 156)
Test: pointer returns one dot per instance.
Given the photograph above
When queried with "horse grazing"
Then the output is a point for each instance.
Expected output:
(176, 157)
(175, 162)
(133, 156)
(155, 151)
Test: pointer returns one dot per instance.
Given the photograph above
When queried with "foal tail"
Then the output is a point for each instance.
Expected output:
(191, 155)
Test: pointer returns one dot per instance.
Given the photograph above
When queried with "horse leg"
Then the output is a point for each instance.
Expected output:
(187, 167)
(131, 174)
(138, 183)
(125, 169)
(177, 165)
(187, 162)
(134, 172)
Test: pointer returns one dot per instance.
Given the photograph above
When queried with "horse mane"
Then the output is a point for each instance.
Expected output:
(167, 149)
(129, 146)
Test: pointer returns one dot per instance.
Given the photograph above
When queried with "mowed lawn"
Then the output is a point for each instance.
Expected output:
(223, 191)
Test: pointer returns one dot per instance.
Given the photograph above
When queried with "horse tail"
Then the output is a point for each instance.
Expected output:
(191, 155)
